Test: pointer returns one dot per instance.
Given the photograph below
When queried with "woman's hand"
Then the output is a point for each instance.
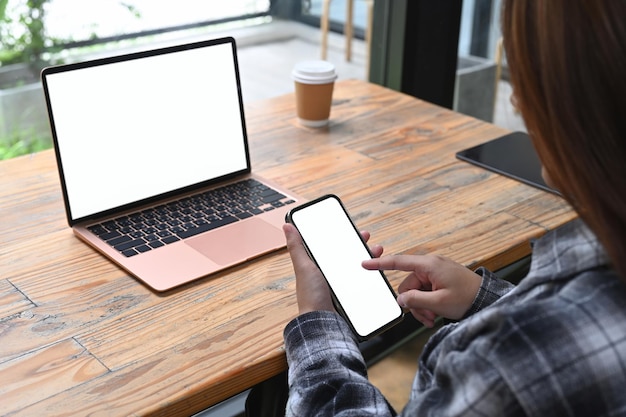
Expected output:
(311, 288)
(436, 286)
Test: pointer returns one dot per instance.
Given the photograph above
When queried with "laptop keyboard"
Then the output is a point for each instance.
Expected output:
(158, 226)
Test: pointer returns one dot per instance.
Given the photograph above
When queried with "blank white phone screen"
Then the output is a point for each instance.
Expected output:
(338, 250)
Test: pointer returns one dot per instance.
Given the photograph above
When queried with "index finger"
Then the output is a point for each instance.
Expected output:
(393, 263)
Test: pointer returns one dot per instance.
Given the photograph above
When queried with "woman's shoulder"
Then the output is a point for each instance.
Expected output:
(568, 342)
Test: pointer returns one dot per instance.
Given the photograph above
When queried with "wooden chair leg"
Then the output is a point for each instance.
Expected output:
(368, 37)
(349, 29)
(324, 27)
(498, 60)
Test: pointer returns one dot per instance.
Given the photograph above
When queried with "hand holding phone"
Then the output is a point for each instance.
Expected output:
(312, 290)
(363, 297)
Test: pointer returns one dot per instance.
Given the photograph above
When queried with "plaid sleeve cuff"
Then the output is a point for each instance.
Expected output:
(491, 289)
(320, 337)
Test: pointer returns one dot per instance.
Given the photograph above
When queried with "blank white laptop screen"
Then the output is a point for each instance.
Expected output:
(130, 130)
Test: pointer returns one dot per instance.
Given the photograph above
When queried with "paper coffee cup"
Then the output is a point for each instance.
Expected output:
(314, 82)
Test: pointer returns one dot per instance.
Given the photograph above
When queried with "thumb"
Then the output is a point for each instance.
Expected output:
(294, 242)
(416, 299)
(424, 315)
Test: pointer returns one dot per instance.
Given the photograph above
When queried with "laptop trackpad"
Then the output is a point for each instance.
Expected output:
(239, 241)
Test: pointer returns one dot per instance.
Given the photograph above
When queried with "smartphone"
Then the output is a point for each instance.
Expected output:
(363, 297)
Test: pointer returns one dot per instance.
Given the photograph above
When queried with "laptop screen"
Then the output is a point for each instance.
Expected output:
(142, 125)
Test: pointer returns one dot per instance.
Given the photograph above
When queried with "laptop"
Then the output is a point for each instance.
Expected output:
(511, 155)
(151, 149)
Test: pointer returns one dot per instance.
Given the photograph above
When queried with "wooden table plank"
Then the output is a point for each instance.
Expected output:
(12, 301)
(30, 185)
(45, 373)
(179, 371)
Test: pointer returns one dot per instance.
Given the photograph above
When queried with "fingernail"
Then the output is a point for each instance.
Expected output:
(401, 302)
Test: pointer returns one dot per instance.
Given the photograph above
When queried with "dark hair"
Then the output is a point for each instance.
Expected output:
(567, 62)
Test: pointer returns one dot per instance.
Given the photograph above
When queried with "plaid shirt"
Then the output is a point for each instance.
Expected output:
(553, 345)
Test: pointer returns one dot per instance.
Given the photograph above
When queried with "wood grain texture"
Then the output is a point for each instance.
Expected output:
(44, 373)
(117, 348)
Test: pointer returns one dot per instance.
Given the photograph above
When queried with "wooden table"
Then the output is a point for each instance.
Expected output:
(78, 336)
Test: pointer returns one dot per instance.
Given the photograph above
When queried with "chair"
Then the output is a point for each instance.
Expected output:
(498, 58)
(348, 30)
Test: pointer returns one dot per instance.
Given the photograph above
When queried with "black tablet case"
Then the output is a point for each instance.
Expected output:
(511, 155)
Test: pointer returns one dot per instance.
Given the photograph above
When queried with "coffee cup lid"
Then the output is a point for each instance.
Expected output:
(314, 72)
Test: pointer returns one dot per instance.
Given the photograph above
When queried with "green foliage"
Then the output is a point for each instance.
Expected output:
(22, 143)
(3, 7)
(28, 44)
(131, 8)
(23, 34)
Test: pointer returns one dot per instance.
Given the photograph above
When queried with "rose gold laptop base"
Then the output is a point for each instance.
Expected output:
(186, 260)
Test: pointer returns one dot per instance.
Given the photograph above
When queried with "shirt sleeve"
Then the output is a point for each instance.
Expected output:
(327, 373)
(491, 290)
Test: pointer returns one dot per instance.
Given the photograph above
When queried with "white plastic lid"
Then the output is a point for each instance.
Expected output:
(314, 72)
